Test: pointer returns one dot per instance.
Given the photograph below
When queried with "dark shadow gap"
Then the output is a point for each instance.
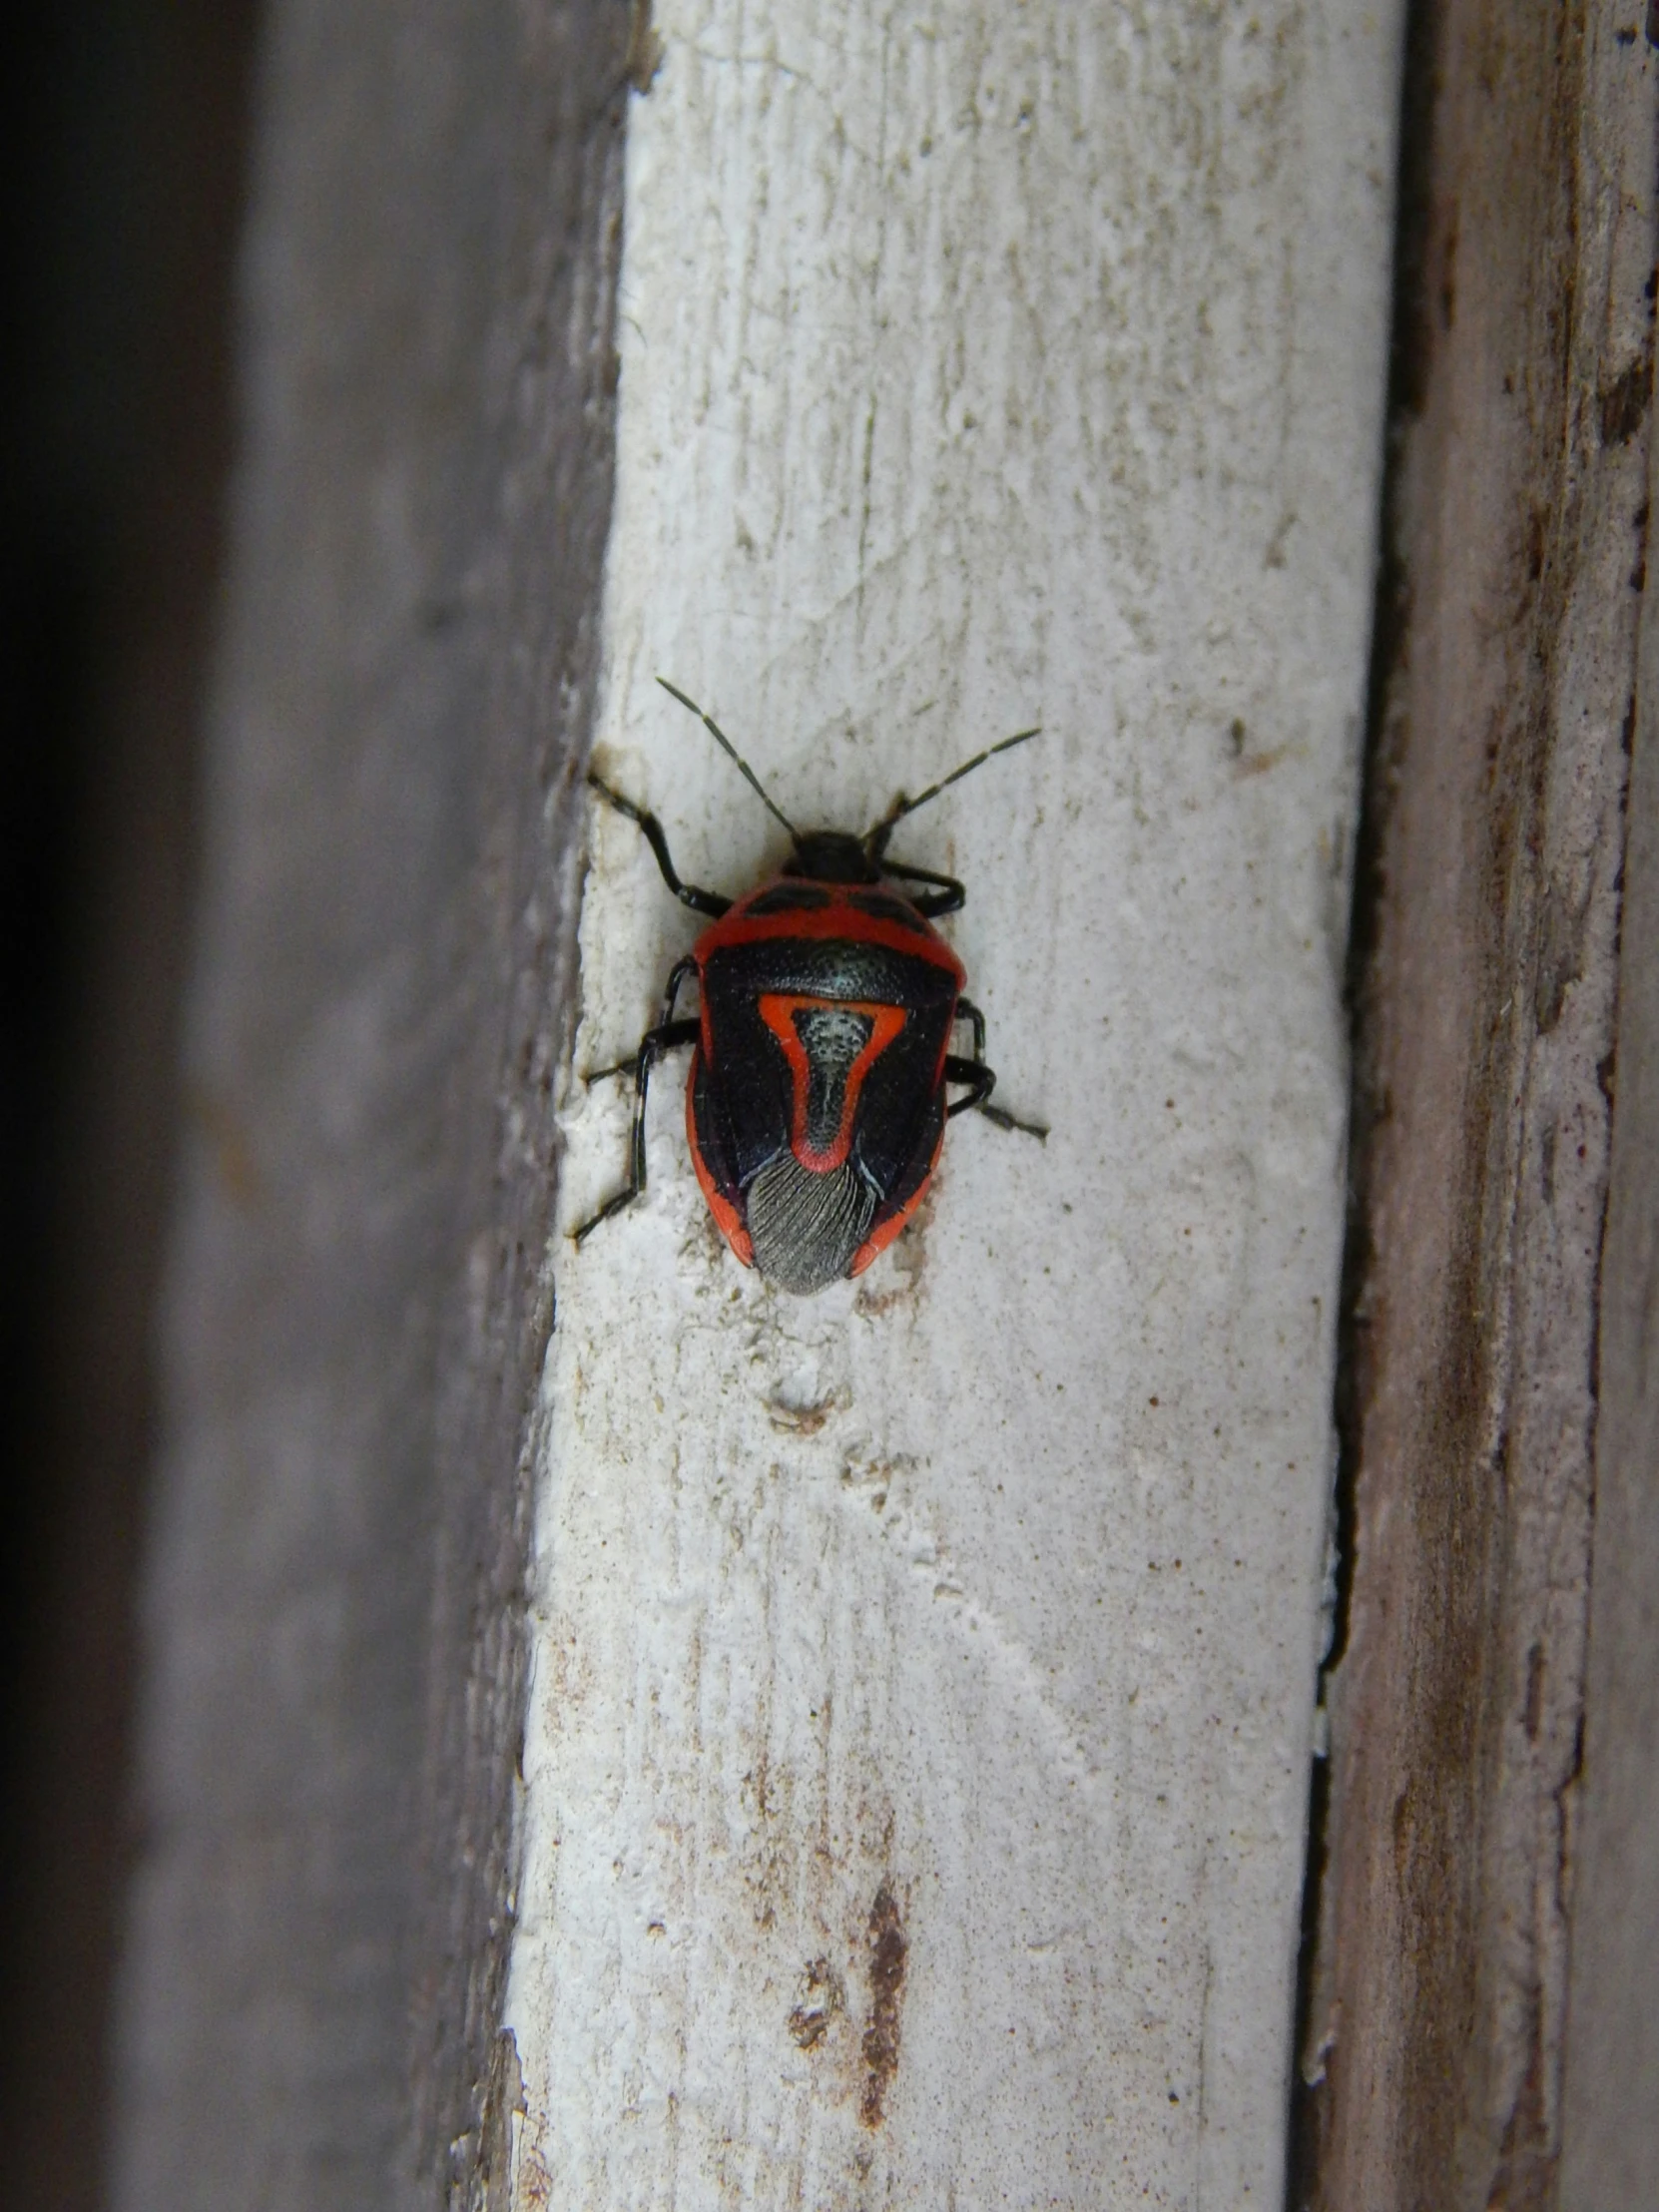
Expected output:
(1409, 355)
(122, 153)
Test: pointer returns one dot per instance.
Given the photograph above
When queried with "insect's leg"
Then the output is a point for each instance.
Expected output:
(980, 1083)
(655, 1042)
(967, 1011)
(945, 901)
(1004, 1120)
(705, 903)
(979, 1077)
(676, 976)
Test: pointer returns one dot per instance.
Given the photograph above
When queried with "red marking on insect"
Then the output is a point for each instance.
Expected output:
(778, 1010)
(820, 1081)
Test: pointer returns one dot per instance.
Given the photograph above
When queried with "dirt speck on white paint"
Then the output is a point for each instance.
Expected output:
(822, 1996)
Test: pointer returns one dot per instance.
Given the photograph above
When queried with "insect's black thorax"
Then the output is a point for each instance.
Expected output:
(832, 857)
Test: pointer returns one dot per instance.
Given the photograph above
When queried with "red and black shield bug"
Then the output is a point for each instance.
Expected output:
(822, 1061)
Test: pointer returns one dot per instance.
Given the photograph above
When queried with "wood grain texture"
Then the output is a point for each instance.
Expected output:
(1610, 2118)
(1487, 1030)
(355, 1318)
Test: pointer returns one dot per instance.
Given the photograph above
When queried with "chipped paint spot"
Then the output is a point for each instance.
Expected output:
(820, 1998)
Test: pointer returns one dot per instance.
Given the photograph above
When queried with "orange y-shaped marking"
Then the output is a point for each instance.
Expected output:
(778, 1011)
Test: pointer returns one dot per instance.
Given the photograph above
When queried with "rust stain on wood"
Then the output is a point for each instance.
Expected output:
(889, 1953)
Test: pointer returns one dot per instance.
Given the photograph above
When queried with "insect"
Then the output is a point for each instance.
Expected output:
(821, 1060)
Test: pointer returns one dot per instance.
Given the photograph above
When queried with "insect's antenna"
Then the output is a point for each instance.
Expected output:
(875, 839)
(727, 748)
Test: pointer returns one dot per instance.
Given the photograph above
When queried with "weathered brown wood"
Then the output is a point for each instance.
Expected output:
(1610, 2117)
(1486, 1037)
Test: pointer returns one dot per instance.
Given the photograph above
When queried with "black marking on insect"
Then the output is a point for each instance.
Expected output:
(821, 1060)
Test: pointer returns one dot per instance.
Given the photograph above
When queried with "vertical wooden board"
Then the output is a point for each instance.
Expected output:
(1610, 2088)
(922, 1674)
(354, 1318)
(1489, 990)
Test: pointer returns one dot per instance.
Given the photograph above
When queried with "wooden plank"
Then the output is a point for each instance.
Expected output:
(1486, 1023)
(356, 1315)
(980, 366)
(1610, 2118)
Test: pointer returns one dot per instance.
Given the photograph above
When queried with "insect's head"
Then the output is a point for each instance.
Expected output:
(832, 857)
(837, 856)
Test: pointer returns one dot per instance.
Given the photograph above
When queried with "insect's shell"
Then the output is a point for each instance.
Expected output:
(815, 1102)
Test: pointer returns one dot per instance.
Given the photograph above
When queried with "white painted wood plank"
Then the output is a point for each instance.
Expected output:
(981, 364)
